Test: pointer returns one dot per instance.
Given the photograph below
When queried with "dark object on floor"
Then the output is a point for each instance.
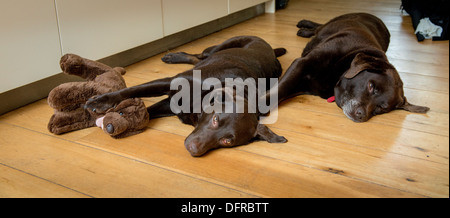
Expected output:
(281, 4)
(346, 59)
(239, 57)
(436, 10)
(128, 117)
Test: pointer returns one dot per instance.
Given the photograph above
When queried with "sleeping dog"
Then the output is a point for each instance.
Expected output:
(346, 59)
(244, 57)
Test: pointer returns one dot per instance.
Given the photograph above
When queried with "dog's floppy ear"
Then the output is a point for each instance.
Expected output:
(363, 62)
(263, 132)
(412, 108)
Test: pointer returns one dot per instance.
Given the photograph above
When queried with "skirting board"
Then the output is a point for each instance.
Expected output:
(38, 90)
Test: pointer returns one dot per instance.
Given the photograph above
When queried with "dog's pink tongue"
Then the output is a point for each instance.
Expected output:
(99, 122)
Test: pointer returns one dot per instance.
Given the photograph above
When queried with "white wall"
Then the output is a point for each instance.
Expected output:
(34, 34)
(29, 42)
(180, 15)
(100, 28)
(237, 5)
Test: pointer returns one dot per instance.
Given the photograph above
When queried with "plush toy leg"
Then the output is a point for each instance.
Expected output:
(62, 122)
(72, 95)
(85, 68)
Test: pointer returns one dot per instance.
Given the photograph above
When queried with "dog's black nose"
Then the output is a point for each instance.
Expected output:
(192, 148)
(110, 128)
(360, 114)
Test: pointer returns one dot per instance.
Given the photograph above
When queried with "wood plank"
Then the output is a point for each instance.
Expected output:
(267, 177)
(426, 69)
(341, 155)
(369, 134)
(94, 172)
(358, 162)
(18, 184)
(434, 122)
(366, 163)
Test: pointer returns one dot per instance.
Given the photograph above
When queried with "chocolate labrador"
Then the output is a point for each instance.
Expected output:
(239, 57)
(346, 59)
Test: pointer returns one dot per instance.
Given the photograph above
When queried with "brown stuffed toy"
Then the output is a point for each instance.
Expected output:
(127, 118)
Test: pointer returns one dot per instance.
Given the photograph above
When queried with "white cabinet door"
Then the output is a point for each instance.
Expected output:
(100, 28)
(179, 15)
(238, 5)
(29, 42)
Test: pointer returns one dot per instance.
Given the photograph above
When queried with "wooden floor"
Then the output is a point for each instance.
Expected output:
(399, 154)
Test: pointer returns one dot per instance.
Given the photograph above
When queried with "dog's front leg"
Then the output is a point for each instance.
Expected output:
(295, 81)
(102, 103)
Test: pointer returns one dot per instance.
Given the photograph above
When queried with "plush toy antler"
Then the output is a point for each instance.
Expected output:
(128, 118)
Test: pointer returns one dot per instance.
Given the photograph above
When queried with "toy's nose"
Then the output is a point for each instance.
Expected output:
(110, 128)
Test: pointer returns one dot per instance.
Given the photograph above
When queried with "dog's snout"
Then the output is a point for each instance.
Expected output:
(193, 147)
(360, 115)
(356, 111)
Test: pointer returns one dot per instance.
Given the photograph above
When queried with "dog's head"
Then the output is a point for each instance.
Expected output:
(227, 127)
(371, 86)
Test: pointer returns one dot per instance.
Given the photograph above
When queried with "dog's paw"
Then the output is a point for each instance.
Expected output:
(307, 24)
(167, 58)
(102, 103)
(306, 33)
(174, 58)
(302, 24)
